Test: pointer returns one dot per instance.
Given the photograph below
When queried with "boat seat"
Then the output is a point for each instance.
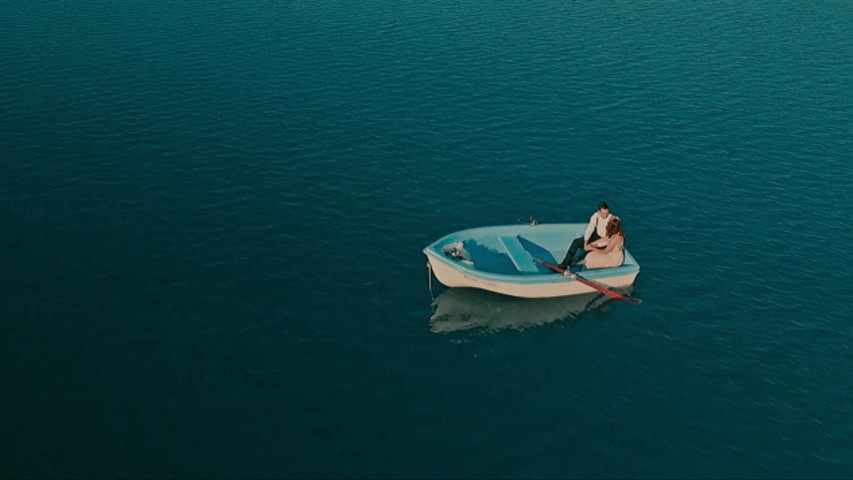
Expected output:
(520, 257)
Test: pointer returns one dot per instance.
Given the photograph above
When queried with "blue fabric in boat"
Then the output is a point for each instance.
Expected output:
(487, 260)
(539, 252)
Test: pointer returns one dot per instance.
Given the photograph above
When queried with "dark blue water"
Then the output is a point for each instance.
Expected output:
(213, 213)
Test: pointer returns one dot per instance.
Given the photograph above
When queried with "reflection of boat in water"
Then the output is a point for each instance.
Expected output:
(459, 309)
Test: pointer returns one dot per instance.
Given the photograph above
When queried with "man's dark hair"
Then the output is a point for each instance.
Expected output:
(603, 205)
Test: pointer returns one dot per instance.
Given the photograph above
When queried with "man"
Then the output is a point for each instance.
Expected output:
(596, 230)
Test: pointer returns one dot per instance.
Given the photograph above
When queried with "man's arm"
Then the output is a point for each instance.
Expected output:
(589, 228)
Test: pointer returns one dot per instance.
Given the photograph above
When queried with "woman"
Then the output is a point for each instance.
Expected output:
(610, 254)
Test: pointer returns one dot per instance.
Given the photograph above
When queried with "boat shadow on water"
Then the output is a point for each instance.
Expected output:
(460, 309)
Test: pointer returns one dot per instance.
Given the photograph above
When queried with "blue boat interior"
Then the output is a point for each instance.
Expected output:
(538, 251)
(517, 259)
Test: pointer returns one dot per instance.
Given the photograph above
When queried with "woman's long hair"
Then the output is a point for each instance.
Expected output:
(614, 227)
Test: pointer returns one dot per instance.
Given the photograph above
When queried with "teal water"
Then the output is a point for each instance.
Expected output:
(213, 216)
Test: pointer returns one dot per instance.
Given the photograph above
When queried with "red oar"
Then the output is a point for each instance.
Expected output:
(590, 283)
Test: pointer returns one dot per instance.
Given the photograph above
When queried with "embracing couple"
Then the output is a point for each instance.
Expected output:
(602, 242)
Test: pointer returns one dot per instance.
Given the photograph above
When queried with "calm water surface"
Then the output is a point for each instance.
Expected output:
(213, 216)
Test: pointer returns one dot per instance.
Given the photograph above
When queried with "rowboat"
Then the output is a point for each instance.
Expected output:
(520, 261)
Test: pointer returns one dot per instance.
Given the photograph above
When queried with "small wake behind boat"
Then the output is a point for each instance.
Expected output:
(514, 260)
